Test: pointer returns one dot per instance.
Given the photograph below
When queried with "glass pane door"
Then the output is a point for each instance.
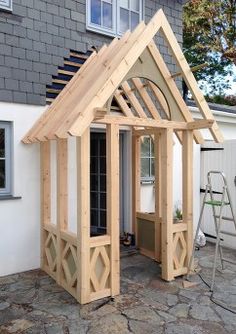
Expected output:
(98, 183)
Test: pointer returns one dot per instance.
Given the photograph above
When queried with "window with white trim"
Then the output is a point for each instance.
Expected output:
(5, 158)
(6, 4)
(147, 159)
(113, 17)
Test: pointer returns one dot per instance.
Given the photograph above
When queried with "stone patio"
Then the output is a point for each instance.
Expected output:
(32, 302)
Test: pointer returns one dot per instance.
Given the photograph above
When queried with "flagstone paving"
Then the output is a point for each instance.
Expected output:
(32, 302)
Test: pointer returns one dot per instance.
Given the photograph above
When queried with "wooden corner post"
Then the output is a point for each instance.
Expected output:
(158, 197)
(83, 217)
(167, 203)
(45, 194)
(187, 157)
(62, 199)
(136, 173)
(113, 223)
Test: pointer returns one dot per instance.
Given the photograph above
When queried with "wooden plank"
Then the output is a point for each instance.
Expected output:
(187, 188)
(146, 98)
(157, 155)
(98, 241)
(167, 203)
(142, 122)
(123, 104)
(133, 100)
(83, 227)
(50, 228)
(201, 124)
(136, 173)
(189, 77)
(113, 222)
(173, 88)
(45, 195)
(146, 216)
(80, 56)
(72, 63)
(180, 272)
(179, 227)
(161, 99)
(69, 237)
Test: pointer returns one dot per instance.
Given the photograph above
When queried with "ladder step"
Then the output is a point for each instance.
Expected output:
(228, 233)
(225, 218)
(229, 261)
(216, 203)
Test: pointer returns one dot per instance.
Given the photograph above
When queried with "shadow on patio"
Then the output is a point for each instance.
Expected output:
(32, 302)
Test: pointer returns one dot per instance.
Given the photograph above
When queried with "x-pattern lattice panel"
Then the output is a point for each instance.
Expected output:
(69, 264)
(180, 250)
(100, 268)
(51, 251)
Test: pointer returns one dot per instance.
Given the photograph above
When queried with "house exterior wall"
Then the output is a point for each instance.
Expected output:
(34, 40)
(20, 217)
(37, 35)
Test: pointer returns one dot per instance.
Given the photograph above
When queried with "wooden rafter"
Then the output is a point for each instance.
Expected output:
(73, 110)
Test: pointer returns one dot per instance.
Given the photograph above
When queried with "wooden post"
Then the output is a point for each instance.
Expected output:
(113, 223)
(62, 198)
(136, 172)
(167, 203)
(158, 179)
(45, 194)
(187, 162)
(83, 226)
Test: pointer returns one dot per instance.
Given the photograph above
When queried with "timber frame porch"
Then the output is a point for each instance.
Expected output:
(132, 72)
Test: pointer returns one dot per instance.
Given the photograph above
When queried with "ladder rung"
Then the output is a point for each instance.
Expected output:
(228, 233)
(216, 203)
(225, 218)
(229, 261)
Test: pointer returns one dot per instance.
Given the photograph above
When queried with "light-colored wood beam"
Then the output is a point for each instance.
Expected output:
(45, 195)
(187, 187)
(136, 174)
(193, 69)
(146, 98)
(113, 222)
(158, 196)
(62, 199)
(83, 216)
(133, 99)
(167, 203)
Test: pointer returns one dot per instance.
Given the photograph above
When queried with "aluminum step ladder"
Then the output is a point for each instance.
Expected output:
(217, 205)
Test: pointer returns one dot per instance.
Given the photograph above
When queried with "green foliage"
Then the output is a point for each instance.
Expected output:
(209, 35)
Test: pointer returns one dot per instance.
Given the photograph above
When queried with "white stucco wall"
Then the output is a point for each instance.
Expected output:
(19, 218)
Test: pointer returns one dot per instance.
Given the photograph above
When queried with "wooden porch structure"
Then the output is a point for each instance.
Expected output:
(132, 72)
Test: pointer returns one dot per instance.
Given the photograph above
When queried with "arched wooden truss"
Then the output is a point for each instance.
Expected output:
(130, 77)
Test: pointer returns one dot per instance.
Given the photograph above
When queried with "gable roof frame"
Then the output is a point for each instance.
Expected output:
(76, 106)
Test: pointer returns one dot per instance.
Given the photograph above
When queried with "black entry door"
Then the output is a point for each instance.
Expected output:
(98, 183)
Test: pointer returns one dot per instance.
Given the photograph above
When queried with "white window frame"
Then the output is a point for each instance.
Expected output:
(7, 126)
(6, 5)
(115, 31)
(150, 157)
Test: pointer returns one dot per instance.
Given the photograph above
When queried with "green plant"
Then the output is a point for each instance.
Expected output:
(178, 214)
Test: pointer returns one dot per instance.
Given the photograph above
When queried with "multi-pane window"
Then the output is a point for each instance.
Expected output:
(147, 159)
(6, 4)
(5, 158)
(113, 17)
